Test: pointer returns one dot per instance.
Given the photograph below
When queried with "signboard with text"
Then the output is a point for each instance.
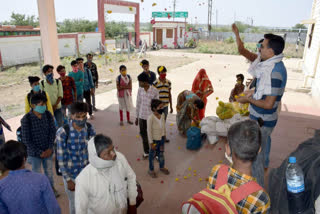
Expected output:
(178, 14)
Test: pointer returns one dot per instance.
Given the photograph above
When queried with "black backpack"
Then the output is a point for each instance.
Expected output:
(119, 77)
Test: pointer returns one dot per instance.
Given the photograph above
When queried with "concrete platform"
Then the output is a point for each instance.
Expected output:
(164, 194)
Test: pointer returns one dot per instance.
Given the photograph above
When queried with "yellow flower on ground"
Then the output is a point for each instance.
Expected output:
(189, 168)
(200, 179)
(109, 11)
(177, 179)
(110, 70)
(185, 177)
(217, 98)
(179, 147)
(99, 56)
(137, 136)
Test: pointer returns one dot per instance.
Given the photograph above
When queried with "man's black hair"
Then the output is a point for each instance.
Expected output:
(155, 103)
(60, 67)
(79, 107)
(275, 42)
(164, 69)
(245, 140)
(74, 62)
(37, 98)
(199, 103)
(260, 41)
(122, 67)
(46, 68)
(101, 143)
(145, 62)
(79, 59)
(143, 77)
(13, 154)
(89, 54)
(33, 79)
(240, 76)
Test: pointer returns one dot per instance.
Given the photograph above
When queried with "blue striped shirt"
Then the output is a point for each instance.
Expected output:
(278, 84)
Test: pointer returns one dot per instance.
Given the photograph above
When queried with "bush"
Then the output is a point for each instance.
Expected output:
(204, 49)
(229, 40)
(191, 43)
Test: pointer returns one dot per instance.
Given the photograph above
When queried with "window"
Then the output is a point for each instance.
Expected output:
(169, 33)
(311, 35)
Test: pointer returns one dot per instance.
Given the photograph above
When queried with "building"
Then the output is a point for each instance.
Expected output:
(311, 57)
(12, 30)
(169, 34)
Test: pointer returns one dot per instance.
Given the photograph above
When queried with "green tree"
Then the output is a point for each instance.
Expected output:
(22, 20)
(242, 27)
(114, 29)
(299, 26)
(77, 25)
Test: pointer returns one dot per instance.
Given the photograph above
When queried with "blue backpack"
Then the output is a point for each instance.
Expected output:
(194, 141)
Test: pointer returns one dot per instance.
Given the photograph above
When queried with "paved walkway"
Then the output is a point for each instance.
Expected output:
(297, 122)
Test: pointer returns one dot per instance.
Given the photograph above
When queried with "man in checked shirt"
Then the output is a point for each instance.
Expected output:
(72, 153)
(146, 93)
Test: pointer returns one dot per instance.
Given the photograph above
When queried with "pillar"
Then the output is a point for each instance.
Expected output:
(154, 34)
(176, 37)
(48, 30)
(137, 24)
(101, 21)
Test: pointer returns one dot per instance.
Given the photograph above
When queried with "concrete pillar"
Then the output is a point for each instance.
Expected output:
(101, 21)
(137, 24)
(48, 30)
(154, 34)
(176, 37)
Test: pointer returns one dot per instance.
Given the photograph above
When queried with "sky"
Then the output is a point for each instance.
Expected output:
(271, 13)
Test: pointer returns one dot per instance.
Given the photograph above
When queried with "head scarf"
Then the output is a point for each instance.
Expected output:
(201, 83)
(109, 170)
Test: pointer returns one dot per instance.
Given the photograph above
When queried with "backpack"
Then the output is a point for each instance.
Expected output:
(67, 130)
(194, 141)
(221, 199)
(119, 78)
(42, 83)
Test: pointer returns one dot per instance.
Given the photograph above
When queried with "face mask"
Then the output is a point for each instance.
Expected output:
(75, 70)
(63, 74)
(50, 77)
(124, 73)
(89, 60)
(163, 76)
(36, 88)
(80, 123)
(40, 109)
(160, 111)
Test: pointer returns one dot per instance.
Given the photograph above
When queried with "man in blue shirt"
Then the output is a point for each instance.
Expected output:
(38, 134)
(271, 83)
(72, 152)
(152, 77)
(23, 191)
(88, 86)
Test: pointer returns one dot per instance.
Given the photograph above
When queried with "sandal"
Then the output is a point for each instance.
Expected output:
(152, 174)
(165, 171)
(129, 122)
(121, 123)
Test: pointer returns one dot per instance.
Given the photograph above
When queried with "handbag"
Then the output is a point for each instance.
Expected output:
(139, 199)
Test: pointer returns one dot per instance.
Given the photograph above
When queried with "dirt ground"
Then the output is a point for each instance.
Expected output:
(14, 83)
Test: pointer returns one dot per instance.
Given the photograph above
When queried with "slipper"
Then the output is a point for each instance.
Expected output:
(152, 174)
(165, 171)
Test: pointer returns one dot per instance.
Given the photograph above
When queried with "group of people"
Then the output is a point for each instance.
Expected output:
(88, 161)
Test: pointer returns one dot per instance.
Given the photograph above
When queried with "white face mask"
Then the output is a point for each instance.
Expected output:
(229, 158)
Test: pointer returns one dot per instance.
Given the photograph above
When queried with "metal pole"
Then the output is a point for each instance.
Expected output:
(174, 9)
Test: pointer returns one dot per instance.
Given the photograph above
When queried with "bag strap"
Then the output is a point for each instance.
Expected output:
(222, 178)
(42, 83)
(67, 130)
(244, 191)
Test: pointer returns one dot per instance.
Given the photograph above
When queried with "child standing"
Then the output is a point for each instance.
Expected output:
(164, 87)
(156, 134)
(143, 108)
(146, 69)
(238, 88)
(124, 86)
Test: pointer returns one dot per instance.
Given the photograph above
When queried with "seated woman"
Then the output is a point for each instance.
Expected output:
(188, 106)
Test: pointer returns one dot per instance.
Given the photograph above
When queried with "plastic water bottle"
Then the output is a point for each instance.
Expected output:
(295, 187)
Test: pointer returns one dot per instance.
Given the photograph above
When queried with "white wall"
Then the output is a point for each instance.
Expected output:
(167, 41)
(311, 54)
(22, 50)
(148, 38)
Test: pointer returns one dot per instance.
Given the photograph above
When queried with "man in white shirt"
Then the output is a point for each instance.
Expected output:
(146, 93)
(108, 183)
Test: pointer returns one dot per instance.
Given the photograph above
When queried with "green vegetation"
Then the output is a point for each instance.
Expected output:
(22, 20)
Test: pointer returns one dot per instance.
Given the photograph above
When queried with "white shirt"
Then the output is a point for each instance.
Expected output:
(93, 194)
(143, 107)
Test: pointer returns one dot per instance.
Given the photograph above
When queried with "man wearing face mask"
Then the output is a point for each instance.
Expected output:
(38, 134)
(72, 152)
(55, 91)
(69, 90)
(91, 66)
(78, 79)
(35, 89)
(108, 183)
